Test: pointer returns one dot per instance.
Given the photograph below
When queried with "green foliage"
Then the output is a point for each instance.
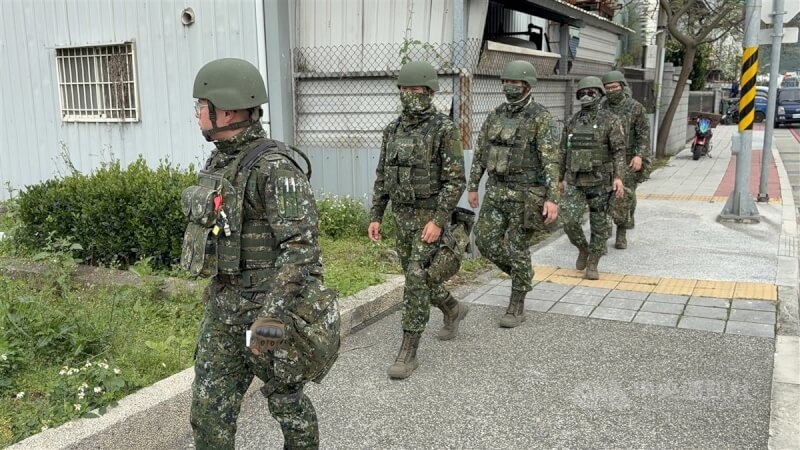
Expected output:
(341, 217)
(117, 216)
(675, 53)
(355, 263)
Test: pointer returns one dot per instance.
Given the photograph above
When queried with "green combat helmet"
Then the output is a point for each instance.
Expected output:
(418, 73)
(521, 71)
(590, 82)
(230, 84)
(615, 76)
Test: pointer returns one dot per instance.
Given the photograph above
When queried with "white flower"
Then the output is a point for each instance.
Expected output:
(88, 364)
(163, 365)
(102, 365)
(81, 395)
(62, 372)
(4, 357)
(98, 390)
(84, 386)
(116, 371)
(20, 395)
(77, 406)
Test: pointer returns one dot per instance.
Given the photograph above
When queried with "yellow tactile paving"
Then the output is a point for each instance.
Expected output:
(563, 280)
(569, 273)
(758, 291)
(641, 279)
(711, 292)
(611, 276)
(541, 273)
(694, 198)
(722, 285)
(638, 287)
(675, 286)
(606, 284)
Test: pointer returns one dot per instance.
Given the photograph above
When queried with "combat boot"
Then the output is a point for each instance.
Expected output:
(515, 314)
(406, 360)
(454, 312)
(591, 267)
(622, 241)
(583, 254)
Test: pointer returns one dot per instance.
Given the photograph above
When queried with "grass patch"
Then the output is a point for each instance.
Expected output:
(354, 263)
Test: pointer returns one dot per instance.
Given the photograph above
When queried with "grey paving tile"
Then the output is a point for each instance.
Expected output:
(469, 298)
(551, 296)
(710, 301)
(538, 305)
(757, 305)
(668, 298)
(547, 286)
(750, 329)
(633, 295)
(746, 315)
(500, 291)
(701, 323)
(483, 287)
(621, 303)
(705, 311)
(505, 283)
(494, 300)
(588, 290)
(571, 309)
(663, 308)
(581, 299)
(651, 318)
(623, 315)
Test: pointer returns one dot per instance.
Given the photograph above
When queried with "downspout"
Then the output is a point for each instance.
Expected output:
(261, 39)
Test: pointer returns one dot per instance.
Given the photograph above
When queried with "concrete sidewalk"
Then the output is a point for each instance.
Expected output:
(688, 340)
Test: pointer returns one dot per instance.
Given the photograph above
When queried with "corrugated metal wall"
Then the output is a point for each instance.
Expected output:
(168, 56)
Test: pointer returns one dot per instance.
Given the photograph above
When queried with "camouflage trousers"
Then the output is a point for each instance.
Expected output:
(224, 368)
(574, 203)
(503, 237)
(625, 208)
(415, 257)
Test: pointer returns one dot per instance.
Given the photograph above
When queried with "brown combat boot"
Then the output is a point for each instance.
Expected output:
(454, 312)
(515, 314)
(406, 360)
(591, 267)
(622, 241)
(583, 254)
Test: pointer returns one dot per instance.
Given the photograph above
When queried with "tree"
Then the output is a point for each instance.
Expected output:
(693, 23)
(675, 54)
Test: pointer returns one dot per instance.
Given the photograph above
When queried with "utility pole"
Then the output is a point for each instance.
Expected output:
(740, 206)
(775, 59)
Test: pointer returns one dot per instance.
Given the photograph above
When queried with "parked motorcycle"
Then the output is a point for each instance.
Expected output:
(701, 146)
(731, 116)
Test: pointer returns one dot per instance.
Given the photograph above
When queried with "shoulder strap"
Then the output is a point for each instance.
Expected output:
(432, 123)
(273, 147)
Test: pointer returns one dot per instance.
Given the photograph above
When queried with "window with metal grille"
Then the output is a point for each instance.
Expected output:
(98, 83)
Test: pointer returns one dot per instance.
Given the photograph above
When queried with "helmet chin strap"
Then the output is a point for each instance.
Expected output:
(212, 115)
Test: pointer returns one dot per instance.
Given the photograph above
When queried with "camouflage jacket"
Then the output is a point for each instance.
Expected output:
(542, 139)
(635, 124)
(447, 160)
(613, 138)
(289, 213)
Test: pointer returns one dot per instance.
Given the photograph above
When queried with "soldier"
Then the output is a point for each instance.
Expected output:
(253, 230)
(421, 170)
(517, 147)
(592, 164)
(637, 157)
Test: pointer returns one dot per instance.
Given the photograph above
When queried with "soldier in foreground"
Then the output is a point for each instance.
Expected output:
(637, 155)
(517, 146)
(592, 165)
(253, 230)
(421, 170)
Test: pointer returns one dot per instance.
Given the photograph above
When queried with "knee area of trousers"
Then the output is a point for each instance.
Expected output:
(279, 401)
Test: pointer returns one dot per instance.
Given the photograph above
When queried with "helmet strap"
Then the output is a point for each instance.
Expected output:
(212, 115)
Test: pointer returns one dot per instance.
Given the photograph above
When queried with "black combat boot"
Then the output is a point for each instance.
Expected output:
(591, 267)
(583, 254)
(515, 314)
(406, 360)
(454, 311)
(622, 241)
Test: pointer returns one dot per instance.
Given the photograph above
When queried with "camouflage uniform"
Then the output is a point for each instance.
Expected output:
(599, 131)
(266, 264)
(637, 132)
(511, 213)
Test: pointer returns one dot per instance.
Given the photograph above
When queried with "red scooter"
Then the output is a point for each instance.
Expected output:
(701, 146)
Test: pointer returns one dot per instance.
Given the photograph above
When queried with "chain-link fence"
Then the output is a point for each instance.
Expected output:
(346, 95)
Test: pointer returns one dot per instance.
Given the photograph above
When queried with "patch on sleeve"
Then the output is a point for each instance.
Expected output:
(288, 192)
(455, 143)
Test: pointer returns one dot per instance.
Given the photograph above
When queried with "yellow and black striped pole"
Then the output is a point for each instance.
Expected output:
(740, 206)
(747, 102)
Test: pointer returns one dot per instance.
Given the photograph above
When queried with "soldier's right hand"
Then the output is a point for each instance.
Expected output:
(472, 198)
(374, 231)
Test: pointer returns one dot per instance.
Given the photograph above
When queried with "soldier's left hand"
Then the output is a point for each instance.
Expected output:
(636, 163)
(619, 189)
(431, 233)
(550, 212)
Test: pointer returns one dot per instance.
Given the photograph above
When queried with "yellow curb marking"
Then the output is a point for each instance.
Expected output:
(676, 286)
(694, 198)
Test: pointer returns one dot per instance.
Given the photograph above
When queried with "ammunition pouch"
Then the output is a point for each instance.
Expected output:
(453, 243)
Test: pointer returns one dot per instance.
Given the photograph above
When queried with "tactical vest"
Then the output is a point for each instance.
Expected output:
(588, 152)
(217, 239)
(626, 117)
(508, 157)
(412, 167)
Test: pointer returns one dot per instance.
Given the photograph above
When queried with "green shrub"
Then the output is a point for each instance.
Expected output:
(341, 217)
(116, 216)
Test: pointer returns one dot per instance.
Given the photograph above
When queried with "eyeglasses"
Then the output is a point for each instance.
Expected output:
(198, 106)
(589, 92)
